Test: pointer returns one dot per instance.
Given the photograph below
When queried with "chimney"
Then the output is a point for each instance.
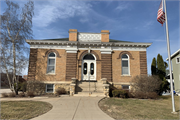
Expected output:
(105, 35)
(72, 34)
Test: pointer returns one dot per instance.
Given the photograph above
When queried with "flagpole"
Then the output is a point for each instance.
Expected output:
(169, 58)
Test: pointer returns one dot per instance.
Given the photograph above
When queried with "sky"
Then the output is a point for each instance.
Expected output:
(127, 20)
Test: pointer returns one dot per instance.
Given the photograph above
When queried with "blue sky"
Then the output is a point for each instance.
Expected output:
(126, 20)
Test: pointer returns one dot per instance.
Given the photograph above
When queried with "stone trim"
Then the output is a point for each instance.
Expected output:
(106, 66)
(71, 66)
(32, 64)
(85, 52)
(57, 82)
(52, 50)
(125, 52)
(143, 63)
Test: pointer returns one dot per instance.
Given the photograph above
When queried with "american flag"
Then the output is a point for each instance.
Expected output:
(161, 14)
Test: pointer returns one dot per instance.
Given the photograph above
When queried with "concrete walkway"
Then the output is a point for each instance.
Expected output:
(71, 108)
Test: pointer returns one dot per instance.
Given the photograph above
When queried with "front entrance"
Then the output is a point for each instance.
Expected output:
(88, 67)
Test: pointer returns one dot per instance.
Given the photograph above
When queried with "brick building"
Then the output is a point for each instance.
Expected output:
(86, 57)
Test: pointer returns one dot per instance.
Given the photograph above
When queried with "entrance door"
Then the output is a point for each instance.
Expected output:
(89, 67)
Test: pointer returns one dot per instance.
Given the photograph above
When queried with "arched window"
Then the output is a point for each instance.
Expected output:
(51, 63)
(88, 57)
(125, 64)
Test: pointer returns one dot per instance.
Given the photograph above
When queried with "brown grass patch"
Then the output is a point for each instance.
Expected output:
(140, 108)
(23, 109)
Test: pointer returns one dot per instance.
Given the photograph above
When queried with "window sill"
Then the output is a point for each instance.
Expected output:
(126, 75)
(50, 73)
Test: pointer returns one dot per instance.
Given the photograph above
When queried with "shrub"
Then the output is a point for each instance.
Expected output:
(19, 86)
(115, 93)
(23, 87)
(21, 95)
(12, 94)
(120, 93)
(147, 95)
(4, 95)
(111, 89)
(37, 87)
(129, 94)
(60, 91)
(146, 84)
(30, 94)
(152, 95)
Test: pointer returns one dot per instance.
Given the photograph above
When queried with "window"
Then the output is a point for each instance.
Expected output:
(92, 68)
(88, 57)
(85, 68)
(49, 88)
(125, 87)
(51, 63)
(178, 60)
(125, 64)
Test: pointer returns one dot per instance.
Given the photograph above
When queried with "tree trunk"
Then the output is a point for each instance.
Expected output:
(10, 84)
(14, 69)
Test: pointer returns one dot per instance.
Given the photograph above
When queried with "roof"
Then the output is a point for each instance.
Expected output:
(67, 39)
(174, 54)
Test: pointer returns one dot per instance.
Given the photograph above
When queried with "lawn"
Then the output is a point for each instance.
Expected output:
(119, 108)
(23, 109)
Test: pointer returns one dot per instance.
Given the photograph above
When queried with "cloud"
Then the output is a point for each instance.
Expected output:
(83, 20)
(50, 33)
(123, 6)
(50, 11)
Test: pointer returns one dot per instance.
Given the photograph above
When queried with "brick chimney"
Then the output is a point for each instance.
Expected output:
(105, 35)
(72, 34)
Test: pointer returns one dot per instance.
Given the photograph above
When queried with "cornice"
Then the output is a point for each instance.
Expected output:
(77, 43)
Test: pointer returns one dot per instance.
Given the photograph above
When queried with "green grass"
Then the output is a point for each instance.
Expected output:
(23, 109)
(141, 109)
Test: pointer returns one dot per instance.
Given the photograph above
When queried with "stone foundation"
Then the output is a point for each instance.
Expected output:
(62, 85)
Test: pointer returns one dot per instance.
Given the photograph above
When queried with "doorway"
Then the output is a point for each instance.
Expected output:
(89, 67)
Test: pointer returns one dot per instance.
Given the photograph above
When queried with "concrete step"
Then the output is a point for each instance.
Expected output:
(79, 89)
(93, 94)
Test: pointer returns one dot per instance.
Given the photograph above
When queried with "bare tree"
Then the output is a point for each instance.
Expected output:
(146, 83)
(16, 26)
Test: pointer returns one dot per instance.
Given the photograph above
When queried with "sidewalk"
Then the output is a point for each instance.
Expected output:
(71, 108)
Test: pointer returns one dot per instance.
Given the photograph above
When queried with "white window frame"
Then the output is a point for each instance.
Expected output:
(128, 65)
(126, 85)
(54, 63)
(46, 88)
(177, 61)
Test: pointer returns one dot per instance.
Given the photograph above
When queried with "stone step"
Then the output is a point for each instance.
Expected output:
(92, 90)
(92, 94)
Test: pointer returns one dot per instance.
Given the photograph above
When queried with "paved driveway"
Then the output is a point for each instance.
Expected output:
(72, 108)
(4, 90)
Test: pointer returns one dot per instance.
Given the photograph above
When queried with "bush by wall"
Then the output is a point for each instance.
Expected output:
(21, 95)
(146, 87)
(12, 94)
(146, 84)
(147, 95)
(4, 95)
(30, 94)
(60, 91)
(37, 87)
(120, 93)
